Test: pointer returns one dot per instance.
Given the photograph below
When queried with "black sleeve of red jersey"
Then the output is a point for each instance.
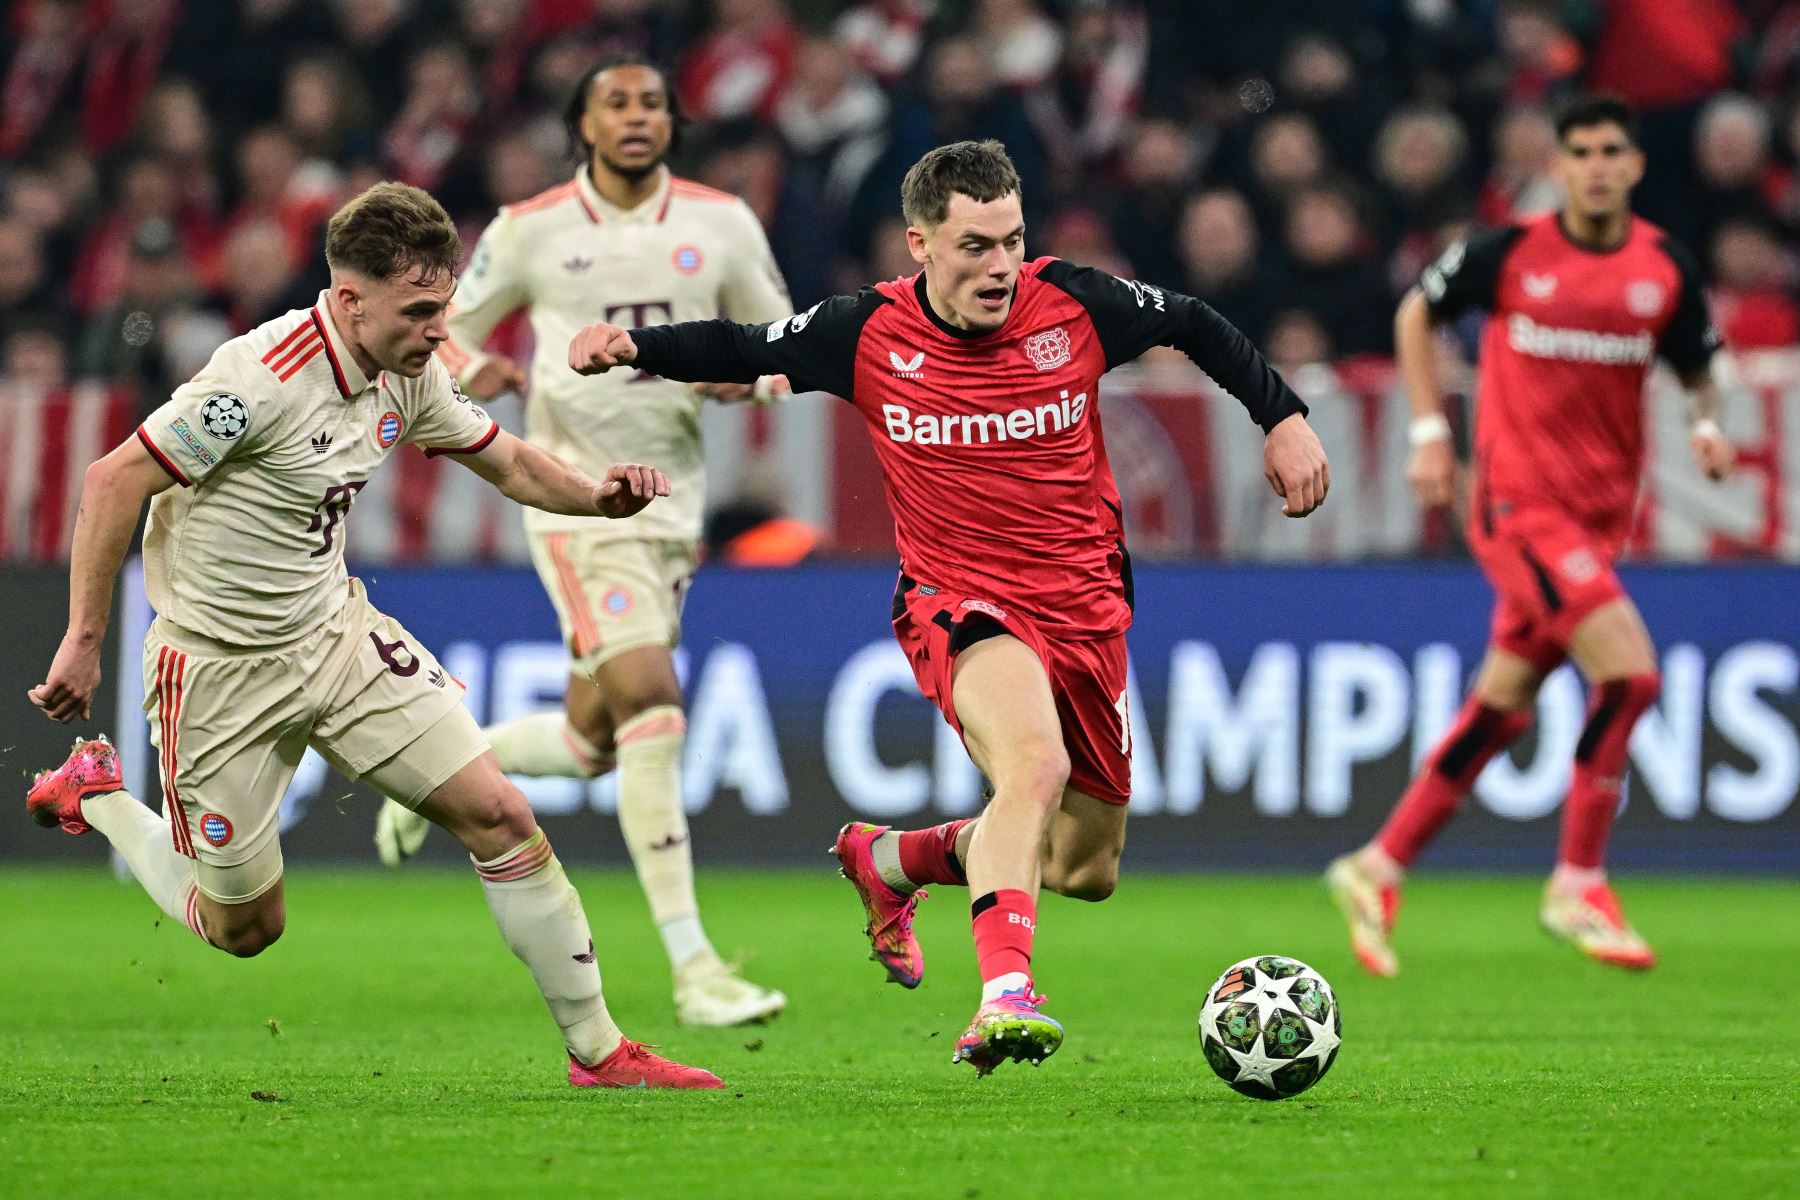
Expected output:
(1467, 275)
(1131, 317)
(815, 349)
(1689, 341)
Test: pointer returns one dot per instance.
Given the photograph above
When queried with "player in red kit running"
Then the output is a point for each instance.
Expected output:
(1580, 304)
(979, 379)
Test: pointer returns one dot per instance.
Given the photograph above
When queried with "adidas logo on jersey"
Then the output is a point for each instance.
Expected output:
(1578, 345)
(931, 429)
(322, 443)
(907, 368)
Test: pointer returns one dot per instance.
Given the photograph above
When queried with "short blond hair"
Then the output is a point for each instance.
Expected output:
(393, 229)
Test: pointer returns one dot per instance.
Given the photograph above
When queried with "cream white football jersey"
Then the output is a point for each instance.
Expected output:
(270, 444)
(687, 253)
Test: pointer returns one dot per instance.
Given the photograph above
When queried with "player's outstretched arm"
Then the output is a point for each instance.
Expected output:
(112, 497)
(537, 478)
(1713, 454)
(1431, 468)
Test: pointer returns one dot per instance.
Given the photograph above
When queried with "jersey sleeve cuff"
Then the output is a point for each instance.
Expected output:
(476, 447)
(162, 460)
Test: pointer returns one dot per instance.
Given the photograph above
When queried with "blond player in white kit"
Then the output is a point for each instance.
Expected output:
(623, 241)
(263, 644)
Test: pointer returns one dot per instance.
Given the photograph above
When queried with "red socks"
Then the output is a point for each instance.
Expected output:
(1004, 924)
(929, 855)
(1478, 734)
(1614, 706)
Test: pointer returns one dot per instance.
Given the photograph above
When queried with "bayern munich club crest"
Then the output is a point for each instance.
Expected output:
(687, 259)
(1049, 349)
(387, 430)
(1644, 298)
(616, 602)
(215, 829)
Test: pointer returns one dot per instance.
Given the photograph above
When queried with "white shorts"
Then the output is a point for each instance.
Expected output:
(612, 594)
(230, 729)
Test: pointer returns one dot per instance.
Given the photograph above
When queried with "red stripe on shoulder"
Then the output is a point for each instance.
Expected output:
(544, 199)
(162, 460)
(294, 367)
(282, 345)
(699, 191)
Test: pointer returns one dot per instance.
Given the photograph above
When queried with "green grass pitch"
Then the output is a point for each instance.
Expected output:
(390, 1046)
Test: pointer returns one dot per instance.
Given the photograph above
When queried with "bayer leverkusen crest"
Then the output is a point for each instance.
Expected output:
(1049, 349)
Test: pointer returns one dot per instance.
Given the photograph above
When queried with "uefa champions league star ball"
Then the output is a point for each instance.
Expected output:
(1271, 1027)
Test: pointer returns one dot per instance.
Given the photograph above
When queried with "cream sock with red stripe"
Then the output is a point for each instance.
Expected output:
(142, 840)
(544, 743)
(540, 916)
(656, 829)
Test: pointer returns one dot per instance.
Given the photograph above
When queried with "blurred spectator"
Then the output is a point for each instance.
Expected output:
(1752, 297)
(1540, 56)
(124, 59)
(1286, 155)
(242, 78)
(273, 188)
(1522, 182)
(260, 275)
(1319, 80)
(885, 36)
(175, 127)
(1081, 235)
(740, 67)
(1329, 267)
(1220, 252)
(1083, 110)
(496, 34)
(35, 356)
(1419, 159)
(515, 168)
(960, 99)
(40, 77)
(834, 119)
(26, 290)
(326, 109)
(889, 257)
(123, 342)
(1297, 344)
(1733, 171)
(1161, 164)
(441, 105)
(1022, 44)
(1662, 55)
(376, 35)
(148, 189)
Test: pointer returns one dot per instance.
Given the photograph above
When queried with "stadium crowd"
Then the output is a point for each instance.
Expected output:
(165, 165)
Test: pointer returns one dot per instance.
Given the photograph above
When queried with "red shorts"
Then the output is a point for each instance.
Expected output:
(1087, 678)
(1549, 572)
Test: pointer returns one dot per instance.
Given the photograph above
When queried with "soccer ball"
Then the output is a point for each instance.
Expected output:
(1271, 1027)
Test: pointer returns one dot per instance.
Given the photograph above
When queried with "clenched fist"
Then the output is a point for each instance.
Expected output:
(599, 348)
(628, 488)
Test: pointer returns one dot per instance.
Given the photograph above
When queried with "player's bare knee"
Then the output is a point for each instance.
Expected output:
(1037, 774)
(1093, 879)
(247, 938)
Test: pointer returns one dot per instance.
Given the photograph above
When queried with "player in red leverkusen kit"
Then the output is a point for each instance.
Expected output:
(1580, 304)
(979, 378)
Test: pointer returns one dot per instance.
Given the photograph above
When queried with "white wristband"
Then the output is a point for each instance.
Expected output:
(1432, 428)
(1705, 427)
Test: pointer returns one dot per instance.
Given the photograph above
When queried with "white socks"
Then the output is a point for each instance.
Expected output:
(142, 840)
(656, 829)
(540, 916)
(1010, 982)
(544, 743)
(885, 851)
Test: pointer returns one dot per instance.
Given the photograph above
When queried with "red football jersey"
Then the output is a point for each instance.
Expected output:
(990, 444)
(1571, 334)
